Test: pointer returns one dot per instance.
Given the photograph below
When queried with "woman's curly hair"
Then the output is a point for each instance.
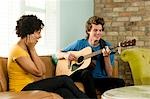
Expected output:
(28, 24)
(94, 20)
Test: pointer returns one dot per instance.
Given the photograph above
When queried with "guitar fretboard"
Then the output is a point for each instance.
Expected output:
(98, 52)
(92, 54)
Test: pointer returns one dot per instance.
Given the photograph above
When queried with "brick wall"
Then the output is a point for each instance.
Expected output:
(124, 72)
(125, 19)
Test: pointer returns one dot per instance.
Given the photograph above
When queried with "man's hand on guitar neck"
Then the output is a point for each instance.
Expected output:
(108, 67)
(106, 51)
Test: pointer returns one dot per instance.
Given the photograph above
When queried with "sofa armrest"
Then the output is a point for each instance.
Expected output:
(36, 94)
(0, 87)
(139, 61)
(3, 82)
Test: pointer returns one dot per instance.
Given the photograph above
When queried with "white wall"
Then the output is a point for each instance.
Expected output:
(73, 16)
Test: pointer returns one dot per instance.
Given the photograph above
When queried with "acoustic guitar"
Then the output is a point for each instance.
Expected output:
(64, 67)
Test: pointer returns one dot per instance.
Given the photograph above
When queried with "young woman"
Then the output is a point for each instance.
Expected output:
(24, 62)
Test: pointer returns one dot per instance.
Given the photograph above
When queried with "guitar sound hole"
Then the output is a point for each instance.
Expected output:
(80, 59)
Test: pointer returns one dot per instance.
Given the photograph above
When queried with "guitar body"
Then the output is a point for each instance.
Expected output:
(65, 68)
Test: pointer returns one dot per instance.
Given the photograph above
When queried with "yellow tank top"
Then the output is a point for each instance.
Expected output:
(18, 78)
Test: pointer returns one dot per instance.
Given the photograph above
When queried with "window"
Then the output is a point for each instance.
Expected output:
(11, 10)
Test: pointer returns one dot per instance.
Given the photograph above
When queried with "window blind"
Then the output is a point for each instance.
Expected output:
(47, 10)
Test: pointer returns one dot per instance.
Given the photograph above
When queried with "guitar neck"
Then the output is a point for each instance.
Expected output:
(92, 54)
(98, 52)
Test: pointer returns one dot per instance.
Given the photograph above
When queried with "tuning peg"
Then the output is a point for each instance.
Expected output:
(119, 48)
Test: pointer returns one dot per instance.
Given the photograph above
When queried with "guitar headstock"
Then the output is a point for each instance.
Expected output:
(127, 43)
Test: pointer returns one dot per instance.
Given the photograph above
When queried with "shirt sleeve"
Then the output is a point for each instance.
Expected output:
(17, 52)
(71, 47)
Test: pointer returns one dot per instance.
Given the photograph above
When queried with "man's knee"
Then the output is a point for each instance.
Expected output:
(66, 78)
(121, 83)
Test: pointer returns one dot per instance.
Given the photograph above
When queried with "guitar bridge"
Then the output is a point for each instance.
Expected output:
(76, 66)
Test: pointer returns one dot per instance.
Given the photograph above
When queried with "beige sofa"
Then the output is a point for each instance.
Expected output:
(36, 94)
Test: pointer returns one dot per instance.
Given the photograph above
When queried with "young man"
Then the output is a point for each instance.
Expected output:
(99, 74)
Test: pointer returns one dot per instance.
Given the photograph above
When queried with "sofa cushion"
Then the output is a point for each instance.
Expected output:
(50, 71)
(3, 74)
(139, 60)
(36, 94)
(50, 67)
